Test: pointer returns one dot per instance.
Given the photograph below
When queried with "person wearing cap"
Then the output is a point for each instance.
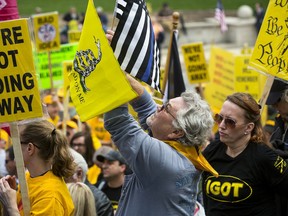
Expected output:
(166, 162)
(54, 108)
(278, 98)
(113, 169)
(71, 128)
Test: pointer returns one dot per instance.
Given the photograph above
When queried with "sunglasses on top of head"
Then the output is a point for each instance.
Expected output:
(229, 122)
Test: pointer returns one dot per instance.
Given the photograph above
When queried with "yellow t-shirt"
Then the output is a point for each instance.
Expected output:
(48, 195)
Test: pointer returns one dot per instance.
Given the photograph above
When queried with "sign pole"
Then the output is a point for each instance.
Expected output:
(20, 167)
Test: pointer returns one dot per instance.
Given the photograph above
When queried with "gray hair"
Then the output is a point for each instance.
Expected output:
(80, 162)
(195, 120)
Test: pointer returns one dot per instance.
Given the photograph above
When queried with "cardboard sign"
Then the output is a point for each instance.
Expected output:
(74, 36)
(66, 52)
(270, 53)
(229, 73)
(195, 63)
(46, 30)
(19, 94)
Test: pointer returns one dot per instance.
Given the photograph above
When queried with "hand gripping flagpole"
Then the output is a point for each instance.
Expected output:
(175, 22)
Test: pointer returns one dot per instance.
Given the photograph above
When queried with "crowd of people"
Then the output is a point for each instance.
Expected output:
(164, 163)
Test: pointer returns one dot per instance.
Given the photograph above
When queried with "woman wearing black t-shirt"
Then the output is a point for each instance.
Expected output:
(250, 173)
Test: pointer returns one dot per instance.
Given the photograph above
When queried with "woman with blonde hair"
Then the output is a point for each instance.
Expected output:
(83, 199)
(48, 160)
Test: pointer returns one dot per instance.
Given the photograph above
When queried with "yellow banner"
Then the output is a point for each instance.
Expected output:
(97, 83)
(195, 63)
(221, 71)
(248, 80)
(74, 36)
(270, 53)
(46, 31)
(19, 94)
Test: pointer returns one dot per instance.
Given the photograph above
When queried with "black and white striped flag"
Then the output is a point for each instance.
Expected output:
(134, 43)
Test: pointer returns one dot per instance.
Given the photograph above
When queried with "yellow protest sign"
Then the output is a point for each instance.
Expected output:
(97, 83)
(19, 94)
(246, 79)
(46, 30)
(221, 71)
(270, 53)
(74, 36)
(229, 73)
(195, 63)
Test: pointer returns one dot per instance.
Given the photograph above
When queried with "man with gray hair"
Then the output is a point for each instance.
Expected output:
(102, 203)
(167, 163)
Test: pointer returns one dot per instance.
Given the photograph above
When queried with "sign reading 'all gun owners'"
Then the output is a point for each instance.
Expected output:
(19, 94)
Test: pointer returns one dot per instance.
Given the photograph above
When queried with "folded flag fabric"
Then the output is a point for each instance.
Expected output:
(134, 43)
(175, 83)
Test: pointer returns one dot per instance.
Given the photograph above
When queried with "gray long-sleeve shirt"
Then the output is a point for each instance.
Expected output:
(163, 182)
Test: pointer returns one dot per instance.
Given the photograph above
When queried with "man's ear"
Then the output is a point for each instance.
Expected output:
(176, 134)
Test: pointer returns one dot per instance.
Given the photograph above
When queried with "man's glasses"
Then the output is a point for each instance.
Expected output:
(165, 107)
(229, 122)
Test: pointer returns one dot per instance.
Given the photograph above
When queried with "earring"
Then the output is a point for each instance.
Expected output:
(245, 133)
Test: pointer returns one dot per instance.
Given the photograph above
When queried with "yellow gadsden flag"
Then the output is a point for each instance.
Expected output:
(97, 82)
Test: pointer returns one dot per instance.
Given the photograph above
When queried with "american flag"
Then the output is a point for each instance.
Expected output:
(134, 44)
(220, 16)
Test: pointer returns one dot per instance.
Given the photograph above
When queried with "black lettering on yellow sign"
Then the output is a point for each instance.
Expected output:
(195, 68)
(200, 76)
(194, 58)
(78, 89)
(247, 79)
(44, 20)
(192, 49)
(15, 105)
(13, 83)
(4, 58)
(69, 68)
(11, 36)
(75, 36)
(50, 45)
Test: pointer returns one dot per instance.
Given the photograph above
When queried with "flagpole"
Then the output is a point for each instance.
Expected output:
(174, 28)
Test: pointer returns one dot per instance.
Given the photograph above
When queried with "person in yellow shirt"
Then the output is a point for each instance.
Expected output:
(54, 108)
(48, 160)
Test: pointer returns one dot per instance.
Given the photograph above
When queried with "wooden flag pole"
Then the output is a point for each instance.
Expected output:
(20, 167)
(266, 91)
(175, 22)
(66, 116)
(50, 72)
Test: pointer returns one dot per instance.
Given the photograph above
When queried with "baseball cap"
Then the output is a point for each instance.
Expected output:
(111, 156)
(276, 91)
(48, 99)
(69, 123)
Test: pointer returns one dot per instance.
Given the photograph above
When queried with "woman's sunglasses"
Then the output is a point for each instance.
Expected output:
(230, 123)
